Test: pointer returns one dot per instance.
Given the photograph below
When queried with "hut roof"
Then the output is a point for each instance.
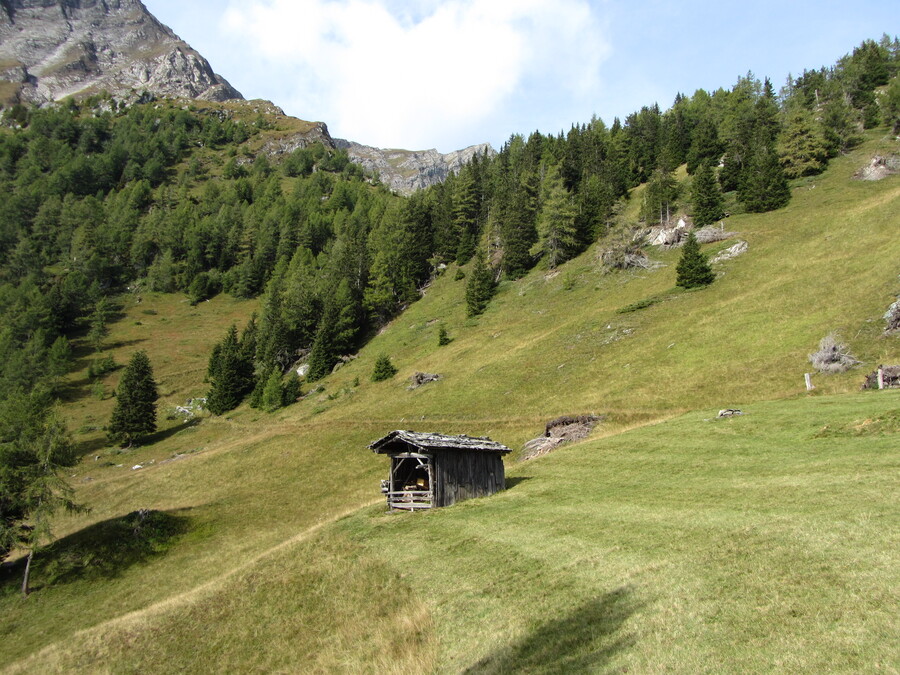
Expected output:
(396, 440)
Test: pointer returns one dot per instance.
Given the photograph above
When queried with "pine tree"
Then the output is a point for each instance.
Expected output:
(229, 376)
(705, 145)
(479, 287)
(764, 186)
(707, 196)
(693, 270)
(272, 395)
(443, 337)
(384, 369)
(135, 412)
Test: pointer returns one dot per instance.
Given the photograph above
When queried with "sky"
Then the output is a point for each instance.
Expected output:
(446, 74)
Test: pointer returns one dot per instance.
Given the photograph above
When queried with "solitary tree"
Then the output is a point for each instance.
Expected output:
(693, 270)
(384, 369)
(135, 412)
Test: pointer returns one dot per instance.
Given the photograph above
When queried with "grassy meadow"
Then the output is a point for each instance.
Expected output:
(666, 542)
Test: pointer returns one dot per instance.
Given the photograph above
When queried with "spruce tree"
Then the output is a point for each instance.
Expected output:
(135, 412)
(693, 270)
(764, 186)
(384, 369)
(479, 287)
(230, 376)
(707, 196)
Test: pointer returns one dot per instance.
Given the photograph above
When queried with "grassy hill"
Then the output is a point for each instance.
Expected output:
(665, 542)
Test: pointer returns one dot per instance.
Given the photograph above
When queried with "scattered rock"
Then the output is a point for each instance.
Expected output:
(711, 233)
(667, 235)
(566, 429)
(418, 379)
(880, 167)
(729, 412)
(731, 252)
(892, 317)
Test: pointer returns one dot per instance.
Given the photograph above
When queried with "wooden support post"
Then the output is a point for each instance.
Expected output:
(809, 384)
(881, 377)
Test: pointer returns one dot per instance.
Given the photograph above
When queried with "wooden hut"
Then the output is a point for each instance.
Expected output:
(429, 470)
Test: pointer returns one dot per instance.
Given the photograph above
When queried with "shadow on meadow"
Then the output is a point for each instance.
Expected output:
(585, 640)
(95, 445)
(102, 551)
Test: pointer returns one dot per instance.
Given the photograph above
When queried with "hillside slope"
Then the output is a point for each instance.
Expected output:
(639, 535)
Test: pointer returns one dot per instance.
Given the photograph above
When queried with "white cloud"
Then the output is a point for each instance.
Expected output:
(422, 73)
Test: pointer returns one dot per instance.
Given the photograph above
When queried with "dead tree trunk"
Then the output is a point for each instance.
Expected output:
(25, 588)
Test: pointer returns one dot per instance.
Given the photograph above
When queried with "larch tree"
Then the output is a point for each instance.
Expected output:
(556, 222)
(34, 449)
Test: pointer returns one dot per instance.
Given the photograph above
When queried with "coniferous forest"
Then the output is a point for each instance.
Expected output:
(100, 197)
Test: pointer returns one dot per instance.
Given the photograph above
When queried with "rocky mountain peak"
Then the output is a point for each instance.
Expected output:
(50, 49)
(406, 171)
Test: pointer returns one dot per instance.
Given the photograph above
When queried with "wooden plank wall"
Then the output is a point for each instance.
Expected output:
(464, 475)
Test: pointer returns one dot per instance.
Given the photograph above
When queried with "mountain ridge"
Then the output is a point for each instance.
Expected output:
(51, 50)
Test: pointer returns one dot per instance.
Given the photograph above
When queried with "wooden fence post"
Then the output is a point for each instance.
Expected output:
(809, 384)
(880, 377)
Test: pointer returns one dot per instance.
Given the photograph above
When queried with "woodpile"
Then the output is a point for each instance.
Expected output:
(559, 431)
(885, 377)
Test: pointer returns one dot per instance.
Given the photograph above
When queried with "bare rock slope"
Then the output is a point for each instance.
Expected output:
(50, 49)
(406, 171)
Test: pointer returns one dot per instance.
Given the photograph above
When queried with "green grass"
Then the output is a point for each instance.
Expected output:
(765, 542)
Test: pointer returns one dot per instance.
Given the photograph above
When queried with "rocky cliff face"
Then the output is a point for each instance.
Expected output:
(406, 171)
(50, 49)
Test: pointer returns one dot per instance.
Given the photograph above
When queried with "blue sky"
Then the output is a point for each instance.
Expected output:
(446, 74)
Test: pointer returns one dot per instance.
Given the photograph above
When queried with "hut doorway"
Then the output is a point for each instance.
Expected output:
(410, 484)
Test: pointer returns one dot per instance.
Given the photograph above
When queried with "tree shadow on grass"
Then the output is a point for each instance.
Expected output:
(101, 551)
(163, 434)
(583, 641)
(92, 445)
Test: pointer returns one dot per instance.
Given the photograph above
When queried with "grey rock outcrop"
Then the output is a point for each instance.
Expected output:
(51, 49)
(405, 171)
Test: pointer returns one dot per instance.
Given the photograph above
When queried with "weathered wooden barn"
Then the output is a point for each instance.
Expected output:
(429, 470)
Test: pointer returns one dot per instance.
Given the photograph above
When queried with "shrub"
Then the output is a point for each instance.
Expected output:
(101, 367)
